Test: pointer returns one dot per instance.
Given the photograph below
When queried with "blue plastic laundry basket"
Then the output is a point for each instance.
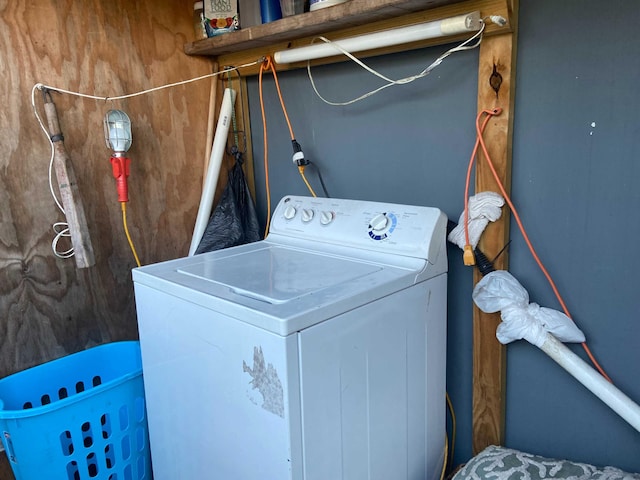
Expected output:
(79, 417)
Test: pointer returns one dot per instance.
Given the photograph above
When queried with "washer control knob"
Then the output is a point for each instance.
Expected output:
(289, 212)
(379, 222)
(326, 217)
(307, 215)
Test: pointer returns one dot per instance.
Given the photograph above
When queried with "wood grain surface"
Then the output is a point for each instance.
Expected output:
(496, 88)
(320, 21)
(264, 43)
(48, 307)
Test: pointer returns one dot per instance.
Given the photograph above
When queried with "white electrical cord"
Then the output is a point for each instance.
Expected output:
(61, 229)
(143, 92)
(390, 82)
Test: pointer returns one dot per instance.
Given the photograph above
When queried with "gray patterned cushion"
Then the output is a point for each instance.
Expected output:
(499, 463)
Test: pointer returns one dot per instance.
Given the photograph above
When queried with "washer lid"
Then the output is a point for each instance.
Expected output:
(280, 288)
(277, 274)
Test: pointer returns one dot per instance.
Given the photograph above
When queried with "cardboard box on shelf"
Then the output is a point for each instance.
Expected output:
(221, 16)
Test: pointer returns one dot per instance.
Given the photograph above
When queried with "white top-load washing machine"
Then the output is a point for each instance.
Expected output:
(316, 354)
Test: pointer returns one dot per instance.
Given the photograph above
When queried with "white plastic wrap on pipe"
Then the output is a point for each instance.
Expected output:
(213, 171)
(500, 291)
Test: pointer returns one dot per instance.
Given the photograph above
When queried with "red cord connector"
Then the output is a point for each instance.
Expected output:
(120, 167)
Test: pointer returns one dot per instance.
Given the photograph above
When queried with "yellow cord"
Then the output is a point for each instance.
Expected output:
(446, 454)
(301, 170)
(453, 425)
(126, 231)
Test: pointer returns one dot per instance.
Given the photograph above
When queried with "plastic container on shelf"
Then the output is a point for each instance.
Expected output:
(199, 20)
(292, 7)
(270, 10)
(249, 11)
(317, 4)
(221, 17)
(79, 417)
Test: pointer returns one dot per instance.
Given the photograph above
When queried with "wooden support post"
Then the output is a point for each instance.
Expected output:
(244, 125)
(496, 88)
(211, 120)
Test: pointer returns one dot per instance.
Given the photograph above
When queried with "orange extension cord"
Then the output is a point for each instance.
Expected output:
(263, 67)
(480, 142)
(266, 66)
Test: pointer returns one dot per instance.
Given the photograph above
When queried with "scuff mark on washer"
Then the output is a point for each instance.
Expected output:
(266, 381)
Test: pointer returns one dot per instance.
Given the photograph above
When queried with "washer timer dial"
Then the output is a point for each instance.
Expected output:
(382, 225)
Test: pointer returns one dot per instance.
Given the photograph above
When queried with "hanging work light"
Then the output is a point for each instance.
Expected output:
(117, 133)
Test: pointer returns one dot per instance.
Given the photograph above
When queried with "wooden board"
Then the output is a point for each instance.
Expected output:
(47, 306)
(496, 88)
(347, 14)
(252, 52)
(211, 120)
(70, 199)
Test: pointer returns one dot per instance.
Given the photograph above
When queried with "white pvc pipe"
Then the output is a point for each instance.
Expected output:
(213, 171)
(469, 22)
(596, 383)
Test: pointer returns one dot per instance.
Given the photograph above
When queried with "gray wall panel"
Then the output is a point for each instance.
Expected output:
(575, 185)
(575, 177)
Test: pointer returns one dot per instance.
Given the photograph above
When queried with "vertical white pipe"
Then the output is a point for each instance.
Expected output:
(217, 152)
(596, 383)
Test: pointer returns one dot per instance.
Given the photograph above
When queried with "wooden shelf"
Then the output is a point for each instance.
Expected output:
(354, 17)
(349, 14)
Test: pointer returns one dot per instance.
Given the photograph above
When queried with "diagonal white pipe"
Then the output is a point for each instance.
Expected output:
(502, 296)
(546, 329)
(590, 378)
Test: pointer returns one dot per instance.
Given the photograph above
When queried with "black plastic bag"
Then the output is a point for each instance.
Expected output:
(234, 220)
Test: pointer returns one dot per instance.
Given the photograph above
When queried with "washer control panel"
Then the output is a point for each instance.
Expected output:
(393, 228)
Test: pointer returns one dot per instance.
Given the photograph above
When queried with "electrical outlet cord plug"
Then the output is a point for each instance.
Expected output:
(298, 154)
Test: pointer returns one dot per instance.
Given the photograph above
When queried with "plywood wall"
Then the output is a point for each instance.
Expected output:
(47, 306)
